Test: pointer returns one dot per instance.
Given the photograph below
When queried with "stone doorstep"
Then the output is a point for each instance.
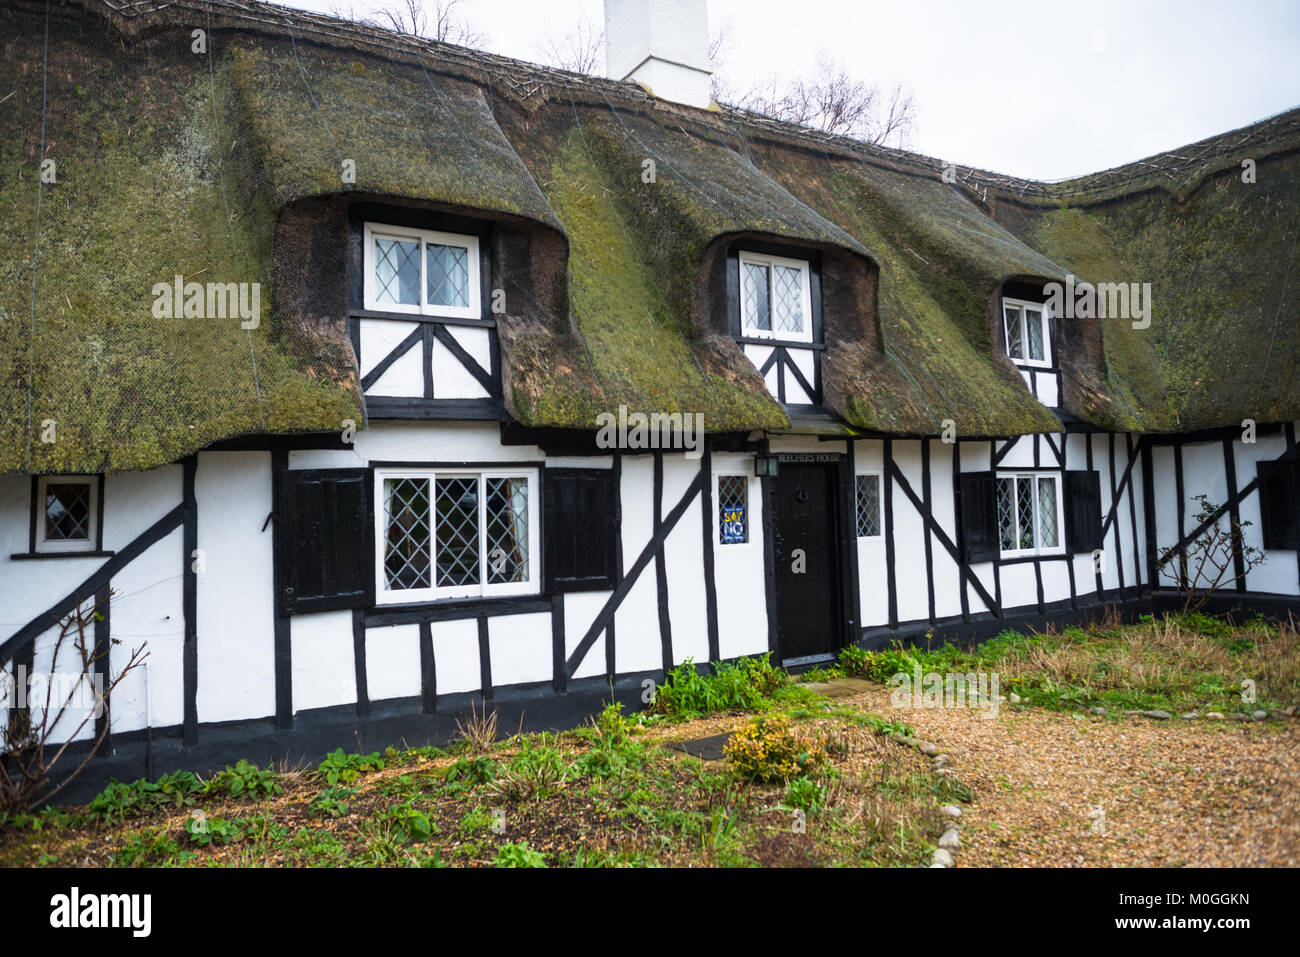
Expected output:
(839, 687)
(706, 749)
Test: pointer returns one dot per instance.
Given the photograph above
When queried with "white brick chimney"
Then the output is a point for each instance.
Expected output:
(663, 44)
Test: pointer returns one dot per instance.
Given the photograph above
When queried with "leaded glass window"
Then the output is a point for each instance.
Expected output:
(421, 271)
(67, 511)
(457, 534)
(1029, 520)
(733, 509)
(1027, 332)
(868, 495)
(774, 297)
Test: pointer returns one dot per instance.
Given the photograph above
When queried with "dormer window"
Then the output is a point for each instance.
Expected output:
(775, 298)
(1028, 333)
(421, 271)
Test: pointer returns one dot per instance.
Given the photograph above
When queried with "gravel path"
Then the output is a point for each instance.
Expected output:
(1055, 789)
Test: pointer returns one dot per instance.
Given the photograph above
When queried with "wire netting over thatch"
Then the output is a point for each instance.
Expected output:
(227, 165)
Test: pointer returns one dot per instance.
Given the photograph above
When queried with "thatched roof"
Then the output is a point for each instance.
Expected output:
(219, 164)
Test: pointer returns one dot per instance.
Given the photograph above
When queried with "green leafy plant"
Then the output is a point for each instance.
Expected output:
(805, 793)
(739, 686)
(245, 779)
(519, 855)
(413, 823)
(853, 660)
(469, 773)
(613, 752)
(340, 768)
(332, 802)
(204, 831)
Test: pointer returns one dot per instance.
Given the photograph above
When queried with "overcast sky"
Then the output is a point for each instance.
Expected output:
(1038, 88)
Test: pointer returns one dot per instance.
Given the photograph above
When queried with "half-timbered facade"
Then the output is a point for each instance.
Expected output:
(391, 496)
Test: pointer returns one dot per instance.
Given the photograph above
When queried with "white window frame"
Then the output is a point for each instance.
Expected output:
(1044, 317)
(761, 259)
(1033, 476)
(387, 596)
(90, 542)
(880, 504)
(375, 231)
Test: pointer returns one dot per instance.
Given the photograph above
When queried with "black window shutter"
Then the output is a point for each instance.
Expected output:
(979, 516)
(1082, 511)
(324, 540)
(580, 523)
(1279, 503)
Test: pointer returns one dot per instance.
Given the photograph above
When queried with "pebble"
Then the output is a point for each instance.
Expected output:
(1156, 713)
(1189, 716)
(1214, 715)
(1015, 698)
(1098, 710)
(1238, 716)
(1259, 715)
(950, 841)
(944, 858)
(951, 810)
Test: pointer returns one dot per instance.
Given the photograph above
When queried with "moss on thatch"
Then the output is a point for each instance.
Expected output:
(175, 163)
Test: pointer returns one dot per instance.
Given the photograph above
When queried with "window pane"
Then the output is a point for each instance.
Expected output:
(1015, 340)
(868, 506)
(397, 271)
(1034, 325)
(507, 530)
(733, 509)
(1025, 511)
(758, 312)
(787, 299)
(447, 269)
(1047, 512)
(1006, 513)
(67, 511)
(456, 501)
(406, 533)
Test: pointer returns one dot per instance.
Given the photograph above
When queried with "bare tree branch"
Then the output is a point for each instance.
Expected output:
(581, 50)
(433, 19)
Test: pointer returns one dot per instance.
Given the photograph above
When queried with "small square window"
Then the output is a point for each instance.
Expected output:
(66, 514)
(1029, 521)
(733, 509)
(421, 271)
(868, 506)
(775, 298)
(1028, 333)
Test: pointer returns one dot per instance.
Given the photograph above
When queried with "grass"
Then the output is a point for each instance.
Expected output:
(611, 794)
(1177, 663)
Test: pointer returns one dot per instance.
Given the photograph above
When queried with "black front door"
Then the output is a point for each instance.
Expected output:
(807, 570)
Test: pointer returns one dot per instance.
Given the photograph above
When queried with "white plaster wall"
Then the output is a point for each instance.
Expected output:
(450, 379)
(580, 610)
(911, 584)
(873, 582)
(236, 633)
(684, 562)
(324, 672)
(520, 648)
(947, 575)
(405, 377)
(637, 646)
(148, 611)
(738, 573)
(388, 441)
(455, 655)
(393, 662)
